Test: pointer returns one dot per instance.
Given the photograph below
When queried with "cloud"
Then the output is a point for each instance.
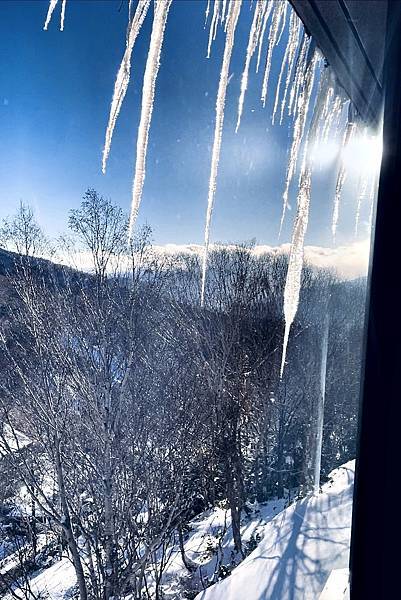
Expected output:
(350, 261)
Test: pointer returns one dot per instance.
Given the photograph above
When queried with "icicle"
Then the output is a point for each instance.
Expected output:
(287, 58)
(52, 6)
(252, 42)
(363, 188)
(298, 129)
(233, 14)
(278, 13)
(223, 11)
(213, 26)
(267, 11)
(372, 195)
(123, 77)
(295, 263)
(62, 15)
(283, 23)
(299, 73)
(333, 116)
(293, 39)
(207, 12)
(348, 135)
(148, 93)
(293, 281)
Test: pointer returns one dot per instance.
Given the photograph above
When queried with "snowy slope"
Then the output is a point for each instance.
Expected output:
(300, 548)
(303, 553)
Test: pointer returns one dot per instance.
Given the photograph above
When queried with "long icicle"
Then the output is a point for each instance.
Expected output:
(123, 77)
(62, 17)
(267, 11)
(233, 14)
(298, 129)
(148, 93)
(283, 23)
(287, 61)
(295, 262)
(363, 188)
(300, 69)
(52, 6)
(278, 13)
(252, 42)
(223, 11)
(349, 133)
(293, 41)
(213, 26)
(207, 12)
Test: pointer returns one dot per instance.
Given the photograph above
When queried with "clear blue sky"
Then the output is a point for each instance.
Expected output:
(55, 92)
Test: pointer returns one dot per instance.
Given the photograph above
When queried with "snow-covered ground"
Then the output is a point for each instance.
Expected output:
(300, 548)
(302, 552)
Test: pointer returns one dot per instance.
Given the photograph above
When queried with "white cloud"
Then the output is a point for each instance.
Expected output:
(349, 261)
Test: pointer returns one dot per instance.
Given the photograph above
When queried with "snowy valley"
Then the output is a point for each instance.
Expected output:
(300, 551)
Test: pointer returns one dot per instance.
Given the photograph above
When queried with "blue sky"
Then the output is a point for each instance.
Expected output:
(55, 93)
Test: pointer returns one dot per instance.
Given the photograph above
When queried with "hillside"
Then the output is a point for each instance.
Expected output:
(300, 548)
(303, 552)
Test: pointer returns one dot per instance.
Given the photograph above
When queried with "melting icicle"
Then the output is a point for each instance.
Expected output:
(52, 6)
(148, 93)
(207, 11)
(333, 115)
(252, 42)
(232, 18)
(341, 176)
(372, 195)
(298, 129)
(283, 23)
(299, 73)
(293, 40)
(267, 11)
(363, 188)
(295, 263)
(223, 11)
(278, 13)
(288, 58)
(62, 15)
(123, 77)
(213, 26)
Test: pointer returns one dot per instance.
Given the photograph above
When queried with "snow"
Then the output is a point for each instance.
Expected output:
(12, 440)
(302, 553)
(300, 548)
(336, 585)
(56, 581)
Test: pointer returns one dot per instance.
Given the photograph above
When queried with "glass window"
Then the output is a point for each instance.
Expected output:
(189, 193)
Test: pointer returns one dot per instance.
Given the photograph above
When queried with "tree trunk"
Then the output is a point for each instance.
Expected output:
(67, 527)
(108, 524)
